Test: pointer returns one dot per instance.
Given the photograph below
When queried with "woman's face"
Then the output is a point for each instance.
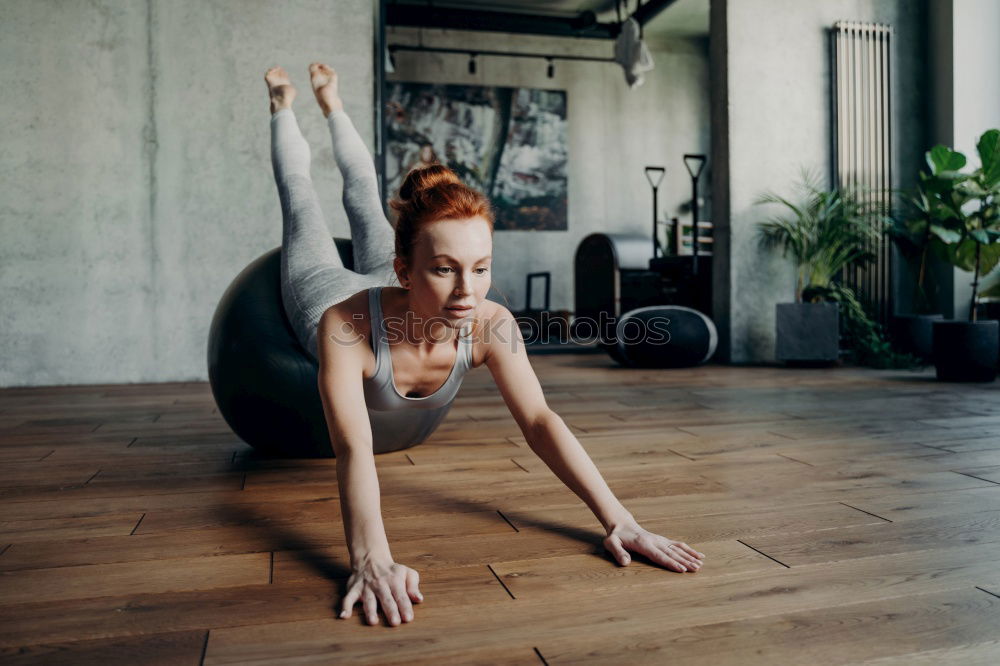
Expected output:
(449, 272)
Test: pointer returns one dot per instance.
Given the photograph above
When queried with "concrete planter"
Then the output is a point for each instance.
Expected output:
(966, 351)
(807, 333)
(913, 333)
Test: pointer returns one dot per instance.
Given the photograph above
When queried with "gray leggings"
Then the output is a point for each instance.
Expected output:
(312, 275)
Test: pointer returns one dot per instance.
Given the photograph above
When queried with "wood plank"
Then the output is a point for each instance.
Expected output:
(847, 543)
(182, 647)
(122, 487)
(931, 505)
(716, 527)
(987, 473)
(167, 575)
(840, 635)
(986, 653)
(538, 578)
(25, 453)
(46, 529)
(109, 617)
(247, 536)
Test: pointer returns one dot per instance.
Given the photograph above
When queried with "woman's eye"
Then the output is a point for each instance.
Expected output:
(448, 269)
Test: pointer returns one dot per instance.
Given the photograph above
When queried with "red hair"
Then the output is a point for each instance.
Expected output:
(433, 193)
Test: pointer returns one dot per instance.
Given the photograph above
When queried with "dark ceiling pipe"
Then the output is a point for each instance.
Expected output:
(647, 11)
(472, 53)
(584, 24)
(450, 18)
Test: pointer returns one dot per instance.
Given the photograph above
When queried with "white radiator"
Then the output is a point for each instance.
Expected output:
(863, 142)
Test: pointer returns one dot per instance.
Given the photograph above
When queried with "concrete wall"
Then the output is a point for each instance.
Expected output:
(135, 179)
(771, 91)
(613, 133)
(966, 102)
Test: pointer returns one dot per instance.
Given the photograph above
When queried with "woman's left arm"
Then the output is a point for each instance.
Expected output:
(550, 439)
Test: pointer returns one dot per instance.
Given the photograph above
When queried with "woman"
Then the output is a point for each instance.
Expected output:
(377, 399)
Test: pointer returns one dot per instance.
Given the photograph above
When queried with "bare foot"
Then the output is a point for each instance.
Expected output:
(280, 88)
(324, 83)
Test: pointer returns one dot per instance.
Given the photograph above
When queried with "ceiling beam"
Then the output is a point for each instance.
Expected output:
(647, 11)
(584, 24)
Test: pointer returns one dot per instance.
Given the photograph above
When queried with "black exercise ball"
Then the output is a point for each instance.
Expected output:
(264, 382)
(664, 336)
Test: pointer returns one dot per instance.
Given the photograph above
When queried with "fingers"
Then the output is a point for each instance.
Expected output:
(614, 545)
(664, 558)
(402, 601)
(349, 600)
(681, 556)
(412, 586)
(395, 594)
(389, 608)
(689, 550)
(388, 603)
(370, 606)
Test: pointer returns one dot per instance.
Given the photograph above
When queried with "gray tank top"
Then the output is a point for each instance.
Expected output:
(399, 422)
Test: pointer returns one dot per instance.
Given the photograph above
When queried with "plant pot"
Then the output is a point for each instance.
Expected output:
(807, 333)
(966, 351)
(913, 333)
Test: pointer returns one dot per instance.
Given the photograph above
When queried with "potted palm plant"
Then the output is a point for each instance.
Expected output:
(964, 210)
(824, 232)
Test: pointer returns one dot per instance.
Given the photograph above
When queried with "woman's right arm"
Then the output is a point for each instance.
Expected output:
(376, 579)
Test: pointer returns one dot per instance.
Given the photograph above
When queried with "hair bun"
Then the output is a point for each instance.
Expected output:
(425, 178)
(430, 193)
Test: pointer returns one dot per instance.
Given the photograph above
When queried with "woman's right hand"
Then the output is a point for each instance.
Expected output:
(383, 583)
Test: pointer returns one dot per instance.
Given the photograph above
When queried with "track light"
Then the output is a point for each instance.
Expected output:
(551, 69)
(472, 63)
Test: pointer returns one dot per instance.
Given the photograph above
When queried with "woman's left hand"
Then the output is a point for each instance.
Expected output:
(671, 554)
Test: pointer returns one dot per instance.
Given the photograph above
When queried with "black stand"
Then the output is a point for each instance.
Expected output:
(685, 279)
(695, 172)
(650, 170)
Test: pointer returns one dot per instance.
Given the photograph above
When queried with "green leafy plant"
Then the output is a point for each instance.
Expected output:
(962, 208)
(865, 337)
(992, 292)
(914, 238)
(824, 232)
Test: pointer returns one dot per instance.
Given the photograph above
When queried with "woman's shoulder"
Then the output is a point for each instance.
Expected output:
(496, 325)
(491, 311)
(348, 322)
(353, 308)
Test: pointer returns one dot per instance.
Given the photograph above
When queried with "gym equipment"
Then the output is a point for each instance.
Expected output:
(615, 274)
(650, 170)
(547, 279)
(687, 279)
(533, 321)
(611, 276)
(263, 381)
(695, 175)
(685, 234)
(665, 336)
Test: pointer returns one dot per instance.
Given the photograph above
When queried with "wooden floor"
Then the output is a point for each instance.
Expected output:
(847, 516)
